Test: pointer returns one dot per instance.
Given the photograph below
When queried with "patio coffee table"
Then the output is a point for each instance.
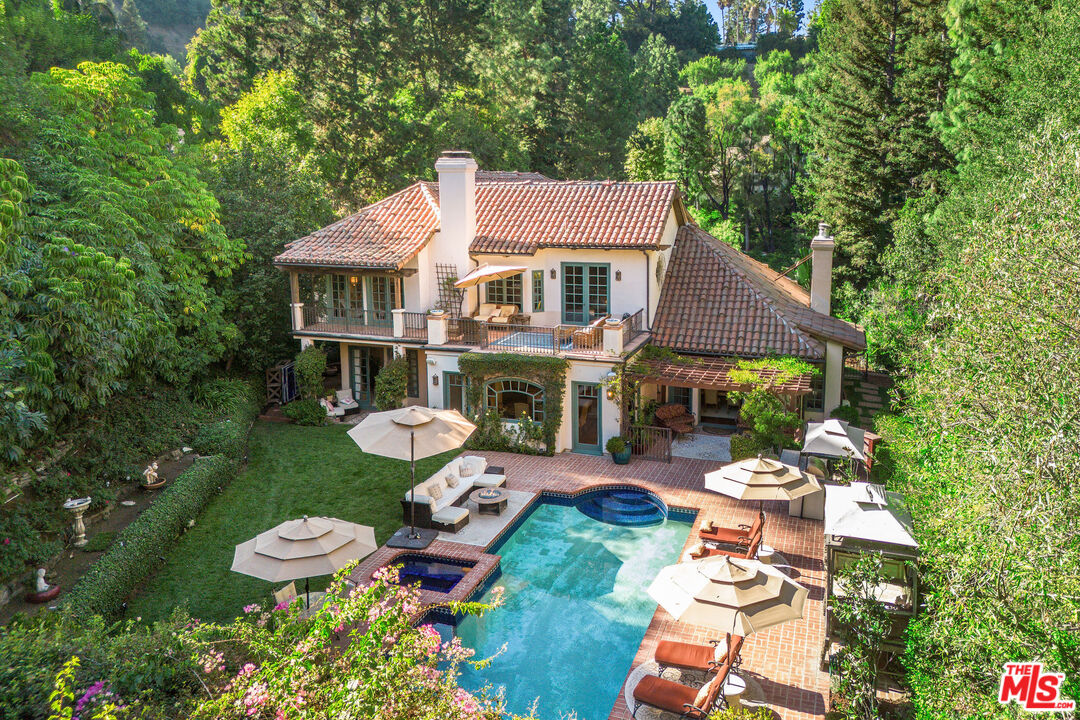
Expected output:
(490, 501)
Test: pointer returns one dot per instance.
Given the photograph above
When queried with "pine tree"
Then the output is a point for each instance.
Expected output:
(656, 77)
(872, 87)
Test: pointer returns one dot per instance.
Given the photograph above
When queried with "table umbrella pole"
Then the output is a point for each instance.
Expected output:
(412, 495)
(307, 591)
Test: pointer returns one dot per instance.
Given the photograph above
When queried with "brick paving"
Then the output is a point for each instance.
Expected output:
(784, 660)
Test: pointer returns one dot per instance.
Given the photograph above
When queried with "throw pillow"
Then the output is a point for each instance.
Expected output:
(452, 480)
(435, 491)
(702, 695)
(468, 469)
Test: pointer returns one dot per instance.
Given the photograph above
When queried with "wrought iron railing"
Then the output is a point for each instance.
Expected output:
(632, 327)
(347, 322)
(464, 331)
(415, 325)
(530, 339)
(649, 442)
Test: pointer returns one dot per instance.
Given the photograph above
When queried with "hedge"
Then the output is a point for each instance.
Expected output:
(140, 547)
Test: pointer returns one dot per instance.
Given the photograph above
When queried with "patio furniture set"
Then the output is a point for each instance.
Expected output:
(463, 478)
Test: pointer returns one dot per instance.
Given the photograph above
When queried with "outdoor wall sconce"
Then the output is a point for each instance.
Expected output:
(609, 383)
(618, 275)
(552, 273)
(435, 380)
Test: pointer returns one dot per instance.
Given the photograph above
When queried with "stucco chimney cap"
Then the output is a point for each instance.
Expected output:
(823, 239)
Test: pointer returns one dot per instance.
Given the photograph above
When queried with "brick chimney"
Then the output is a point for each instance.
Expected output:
(821, 250)
(457, 202)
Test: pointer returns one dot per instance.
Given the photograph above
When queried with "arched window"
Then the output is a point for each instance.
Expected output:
(511, 397)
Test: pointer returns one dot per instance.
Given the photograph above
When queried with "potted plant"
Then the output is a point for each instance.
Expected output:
(619, 449)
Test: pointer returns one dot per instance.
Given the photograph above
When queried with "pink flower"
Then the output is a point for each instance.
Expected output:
(255, 697)
(429, 639)
(248, 609)
(282, 605)
(7, 541)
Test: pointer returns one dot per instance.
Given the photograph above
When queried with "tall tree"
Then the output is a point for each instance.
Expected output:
(862, 110)
(656, 77)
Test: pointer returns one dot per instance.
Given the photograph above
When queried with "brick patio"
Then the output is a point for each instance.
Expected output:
(783, 660)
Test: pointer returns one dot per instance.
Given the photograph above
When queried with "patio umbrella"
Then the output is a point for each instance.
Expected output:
(736, 596)
(834, 438)
(412, 433)
(303, 548)
(761, 479)
(487, 273)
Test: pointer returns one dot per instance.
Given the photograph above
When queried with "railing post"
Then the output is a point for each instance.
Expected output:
(613, 338)
(436, 329)
(398, 322)
(298, 316)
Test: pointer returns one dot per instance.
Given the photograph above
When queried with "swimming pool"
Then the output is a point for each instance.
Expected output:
(575, 607)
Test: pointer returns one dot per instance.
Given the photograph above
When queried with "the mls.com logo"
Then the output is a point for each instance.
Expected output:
(1033, 689)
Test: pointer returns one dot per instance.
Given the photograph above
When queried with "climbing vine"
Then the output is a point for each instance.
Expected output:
(549, 372)
(753, 372)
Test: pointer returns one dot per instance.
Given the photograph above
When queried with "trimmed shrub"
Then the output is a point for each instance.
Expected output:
(616, 444)
(220, 438)
(847, 413)
(305, 412)
(310, 366)
(391, 384)
(140, 547)
(745, 445)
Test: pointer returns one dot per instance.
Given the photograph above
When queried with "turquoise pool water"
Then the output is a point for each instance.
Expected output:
(575, 610)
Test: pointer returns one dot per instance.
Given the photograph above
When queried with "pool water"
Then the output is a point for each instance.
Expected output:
(575, 610)
(438, 574)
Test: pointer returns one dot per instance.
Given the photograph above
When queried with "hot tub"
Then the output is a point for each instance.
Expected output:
(434, 573)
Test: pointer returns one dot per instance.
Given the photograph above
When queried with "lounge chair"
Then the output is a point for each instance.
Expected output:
(286, 594)
(332, 410)
(346, 401)
(590, 337)
(745, 547)
(691, 656)
(486, 311)
(505, 314)
(687, 702)
(712, 533)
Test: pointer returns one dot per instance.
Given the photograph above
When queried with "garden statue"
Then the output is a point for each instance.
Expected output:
(43, 591)
(150, 473)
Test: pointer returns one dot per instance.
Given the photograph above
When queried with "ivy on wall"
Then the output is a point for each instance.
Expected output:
(549, 372)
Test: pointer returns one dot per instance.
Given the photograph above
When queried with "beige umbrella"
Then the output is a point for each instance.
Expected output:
(412, 433)
(487, 273)
(303, 548)
(761, 479)
(834, 439)
(731, 594)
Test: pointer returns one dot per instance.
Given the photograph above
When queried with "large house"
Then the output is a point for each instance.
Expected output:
(591, 271)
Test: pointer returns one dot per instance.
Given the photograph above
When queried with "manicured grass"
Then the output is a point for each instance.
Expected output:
(292, 471)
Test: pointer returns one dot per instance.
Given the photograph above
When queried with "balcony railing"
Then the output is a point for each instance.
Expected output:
(348, 322)
(632, 327)
(415, 325)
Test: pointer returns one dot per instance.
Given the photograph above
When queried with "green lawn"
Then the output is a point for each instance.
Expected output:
(292, 471)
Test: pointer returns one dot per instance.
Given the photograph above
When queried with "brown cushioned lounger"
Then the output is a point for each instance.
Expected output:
(747, 550)
(678, 698)
(691, 656)
(733, 535)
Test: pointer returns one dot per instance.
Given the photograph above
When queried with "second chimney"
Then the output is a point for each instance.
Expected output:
(821, 250)
(457, 200)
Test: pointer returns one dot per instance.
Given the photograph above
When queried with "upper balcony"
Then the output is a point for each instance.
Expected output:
(603, 337)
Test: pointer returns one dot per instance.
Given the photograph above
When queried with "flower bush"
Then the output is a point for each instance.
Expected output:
(358, 655)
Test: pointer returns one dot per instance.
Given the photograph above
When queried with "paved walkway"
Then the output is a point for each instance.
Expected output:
(703, 446)
(784, 660)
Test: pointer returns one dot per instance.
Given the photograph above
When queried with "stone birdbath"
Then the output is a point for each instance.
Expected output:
(78, 506)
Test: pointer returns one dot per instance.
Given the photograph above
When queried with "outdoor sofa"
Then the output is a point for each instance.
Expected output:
(436, 496)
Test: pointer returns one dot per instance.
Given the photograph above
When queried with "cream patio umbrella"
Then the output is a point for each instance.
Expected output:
(487, 273)
(734, 595)
(412, 433)
(761, 479)
(303, 548)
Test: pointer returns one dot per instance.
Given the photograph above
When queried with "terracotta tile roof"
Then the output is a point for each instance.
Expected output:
(718, 301)
(708, 373)
(520, 218)
(516, 213)
(384, 235)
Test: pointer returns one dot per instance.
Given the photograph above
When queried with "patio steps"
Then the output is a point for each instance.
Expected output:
(624, 507)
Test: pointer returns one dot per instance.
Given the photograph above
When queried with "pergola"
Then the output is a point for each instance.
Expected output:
(710, 374)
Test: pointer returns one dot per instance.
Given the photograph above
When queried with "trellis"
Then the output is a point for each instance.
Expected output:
(450, 297)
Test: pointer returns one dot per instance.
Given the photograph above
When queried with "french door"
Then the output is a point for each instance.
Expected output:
(586, 292)
(382, 299)
(586, 398)
(365, 363)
